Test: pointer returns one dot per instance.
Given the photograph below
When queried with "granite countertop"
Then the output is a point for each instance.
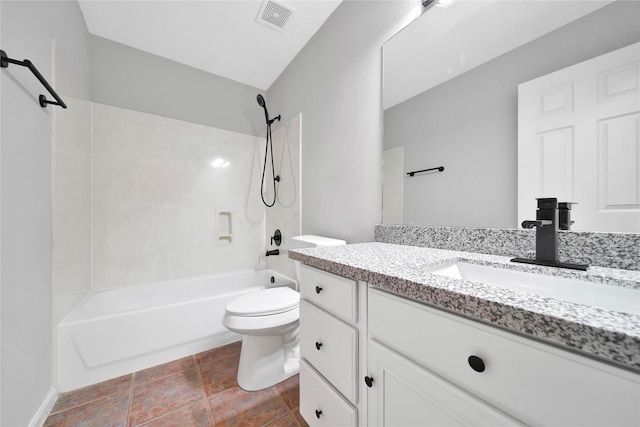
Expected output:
(400, 269)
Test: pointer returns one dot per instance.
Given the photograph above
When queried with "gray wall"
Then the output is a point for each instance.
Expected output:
(25, 192)
(130, 78)
(469, 124)
(335, 81)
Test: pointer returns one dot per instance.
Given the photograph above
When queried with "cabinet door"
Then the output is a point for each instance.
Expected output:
(405, 394)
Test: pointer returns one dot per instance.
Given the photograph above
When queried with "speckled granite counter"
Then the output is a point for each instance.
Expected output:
(400, 269)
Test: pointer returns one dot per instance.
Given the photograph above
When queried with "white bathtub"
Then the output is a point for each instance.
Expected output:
(122, 330)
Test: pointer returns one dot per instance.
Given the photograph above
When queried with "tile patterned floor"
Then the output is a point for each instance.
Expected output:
(197, 391)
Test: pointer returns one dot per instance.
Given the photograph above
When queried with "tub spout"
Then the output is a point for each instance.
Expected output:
(273, 252)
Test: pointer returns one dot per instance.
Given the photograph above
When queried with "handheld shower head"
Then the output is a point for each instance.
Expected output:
(263, 104)
(268, 148)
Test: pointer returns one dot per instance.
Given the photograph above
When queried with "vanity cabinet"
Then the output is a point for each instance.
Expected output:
(431, 367)
(330, 331)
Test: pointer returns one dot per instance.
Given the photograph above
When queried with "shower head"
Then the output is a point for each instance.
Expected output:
(263, 104)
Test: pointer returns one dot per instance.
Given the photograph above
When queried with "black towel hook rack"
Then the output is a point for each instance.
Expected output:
(5, 61)
(439, 169)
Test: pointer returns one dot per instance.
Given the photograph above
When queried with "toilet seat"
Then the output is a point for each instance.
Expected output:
(263, 313)
(264, 303)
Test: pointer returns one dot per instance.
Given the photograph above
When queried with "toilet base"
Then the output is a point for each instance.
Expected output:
(268, 360)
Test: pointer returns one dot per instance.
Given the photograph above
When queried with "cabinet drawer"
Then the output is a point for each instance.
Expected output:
(320, 404)
(333, 293)
(406, 394)
(533, 382)
(330, 345)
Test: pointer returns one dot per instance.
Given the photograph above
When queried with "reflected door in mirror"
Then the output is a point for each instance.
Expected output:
(579, 141)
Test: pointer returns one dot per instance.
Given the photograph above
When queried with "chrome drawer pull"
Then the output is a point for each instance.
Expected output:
(318, 289)
(318, 345)
(318, 413)
(476, 363)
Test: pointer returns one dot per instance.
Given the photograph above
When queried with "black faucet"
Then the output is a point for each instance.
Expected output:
(547, 224)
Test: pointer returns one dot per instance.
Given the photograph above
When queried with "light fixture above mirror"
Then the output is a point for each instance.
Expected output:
(441, 3)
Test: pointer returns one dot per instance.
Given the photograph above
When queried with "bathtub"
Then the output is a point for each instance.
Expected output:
(117, 331)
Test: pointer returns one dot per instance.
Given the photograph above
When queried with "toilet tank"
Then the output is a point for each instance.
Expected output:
(311, 241)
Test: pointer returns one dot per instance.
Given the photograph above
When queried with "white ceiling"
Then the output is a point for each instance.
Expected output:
(221, 37)
(445, 42)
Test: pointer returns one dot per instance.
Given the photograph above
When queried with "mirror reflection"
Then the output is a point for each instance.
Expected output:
(451, 99)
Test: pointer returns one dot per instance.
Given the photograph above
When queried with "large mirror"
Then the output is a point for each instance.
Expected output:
(450, 95)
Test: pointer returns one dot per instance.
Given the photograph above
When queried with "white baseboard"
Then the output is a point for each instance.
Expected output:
(43, 412)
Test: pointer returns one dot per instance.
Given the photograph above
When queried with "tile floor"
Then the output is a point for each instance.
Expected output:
(197, 391)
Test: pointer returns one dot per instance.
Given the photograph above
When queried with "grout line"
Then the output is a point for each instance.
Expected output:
(163, 375)
(85, 402)
(166, 414)
(185, 405)
(130, 401)
(204, 392)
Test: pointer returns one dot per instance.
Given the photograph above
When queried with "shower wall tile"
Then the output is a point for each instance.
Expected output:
(285, 213)
(71, 257)
(155, 197)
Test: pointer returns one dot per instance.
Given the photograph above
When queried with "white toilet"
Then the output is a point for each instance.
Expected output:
(268, 320)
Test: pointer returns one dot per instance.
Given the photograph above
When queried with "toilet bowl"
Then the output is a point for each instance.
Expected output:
(268, 319)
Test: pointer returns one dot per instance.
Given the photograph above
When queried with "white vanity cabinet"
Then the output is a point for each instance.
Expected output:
(431, 367)
(330, 331)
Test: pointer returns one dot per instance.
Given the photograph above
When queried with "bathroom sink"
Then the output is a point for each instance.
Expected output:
(614, 298)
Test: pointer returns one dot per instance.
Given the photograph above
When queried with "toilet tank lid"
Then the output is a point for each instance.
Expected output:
(311, 241)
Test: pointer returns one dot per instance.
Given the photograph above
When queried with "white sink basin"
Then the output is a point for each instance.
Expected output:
(614, 298)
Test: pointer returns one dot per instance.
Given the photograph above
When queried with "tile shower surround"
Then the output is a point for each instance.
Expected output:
(612, 250)
(155, 194)
(196, 391)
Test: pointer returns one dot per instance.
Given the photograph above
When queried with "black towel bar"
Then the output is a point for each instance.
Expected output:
(5, 61)
(439, 169)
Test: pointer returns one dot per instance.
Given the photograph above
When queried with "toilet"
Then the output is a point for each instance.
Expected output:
(269, 319)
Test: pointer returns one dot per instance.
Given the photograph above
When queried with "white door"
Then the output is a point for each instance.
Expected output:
(406, 394)
(579, 141)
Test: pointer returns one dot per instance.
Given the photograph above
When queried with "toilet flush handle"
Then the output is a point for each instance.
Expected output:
(318, 289)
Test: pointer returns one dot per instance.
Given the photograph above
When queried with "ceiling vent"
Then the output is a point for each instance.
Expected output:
(275, 14)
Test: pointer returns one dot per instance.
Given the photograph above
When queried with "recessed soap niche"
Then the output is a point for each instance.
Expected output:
(224, 228)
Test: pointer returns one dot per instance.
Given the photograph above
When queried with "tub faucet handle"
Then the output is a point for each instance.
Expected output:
(276, 238)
